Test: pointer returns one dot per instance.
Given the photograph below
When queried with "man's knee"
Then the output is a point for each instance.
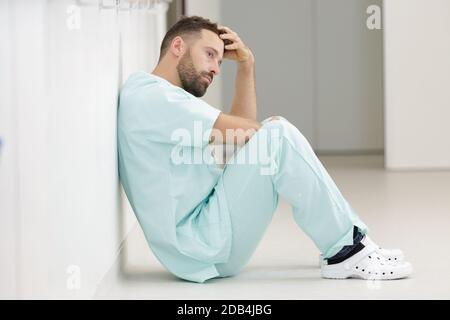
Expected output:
(273, 118)
(283, 127)
(278, 122)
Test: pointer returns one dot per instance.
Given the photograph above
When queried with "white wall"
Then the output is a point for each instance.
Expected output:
(417, 78)
(8, 167)
(60, 200)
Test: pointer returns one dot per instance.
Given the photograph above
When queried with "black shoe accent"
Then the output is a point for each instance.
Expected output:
(357, 248)
(348, 251)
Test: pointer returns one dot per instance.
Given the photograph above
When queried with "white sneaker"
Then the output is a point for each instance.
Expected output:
(393, 255)
(367, 264)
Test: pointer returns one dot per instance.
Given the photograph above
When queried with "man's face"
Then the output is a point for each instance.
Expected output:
(200, 63)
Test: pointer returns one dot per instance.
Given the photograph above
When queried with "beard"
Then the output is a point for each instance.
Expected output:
(192, 81)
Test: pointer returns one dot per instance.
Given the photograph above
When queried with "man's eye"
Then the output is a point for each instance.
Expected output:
(210, 54)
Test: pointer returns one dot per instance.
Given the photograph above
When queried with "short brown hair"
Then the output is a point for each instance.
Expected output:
(186, 26)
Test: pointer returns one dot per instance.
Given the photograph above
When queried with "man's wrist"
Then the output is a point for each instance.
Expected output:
(247, 64)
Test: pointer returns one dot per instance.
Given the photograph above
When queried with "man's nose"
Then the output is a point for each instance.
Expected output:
(215, 69)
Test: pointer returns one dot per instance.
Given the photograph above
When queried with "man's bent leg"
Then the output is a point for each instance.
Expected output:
(317, 204)
(285, 165)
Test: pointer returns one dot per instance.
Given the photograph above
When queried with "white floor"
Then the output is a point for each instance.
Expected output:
(409, 210)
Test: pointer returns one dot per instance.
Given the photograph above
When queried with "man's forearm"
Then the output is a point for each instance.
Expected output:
(244, 101)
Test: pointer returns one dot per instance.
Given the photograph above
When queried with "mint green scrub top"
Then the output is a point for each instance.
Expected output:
(180, 206)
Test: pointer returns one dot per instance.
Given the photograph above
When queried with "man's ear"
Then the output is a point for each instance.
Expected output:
(178, 46)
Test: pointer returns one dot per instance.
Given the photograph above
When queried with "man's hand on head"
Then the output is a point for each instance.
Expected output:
(244, 100)
(236, 50)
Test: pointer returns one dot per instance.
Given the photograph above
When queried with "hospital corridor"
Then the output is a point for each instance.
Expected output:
(285, 265)
(364, 81)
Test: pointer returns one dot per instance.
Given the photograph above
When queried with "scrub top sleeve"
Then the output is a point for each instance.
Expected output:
(180, 118)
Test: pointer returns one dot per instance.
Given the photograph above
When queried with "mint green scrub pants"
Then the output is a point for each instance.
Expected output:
(252, 189)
